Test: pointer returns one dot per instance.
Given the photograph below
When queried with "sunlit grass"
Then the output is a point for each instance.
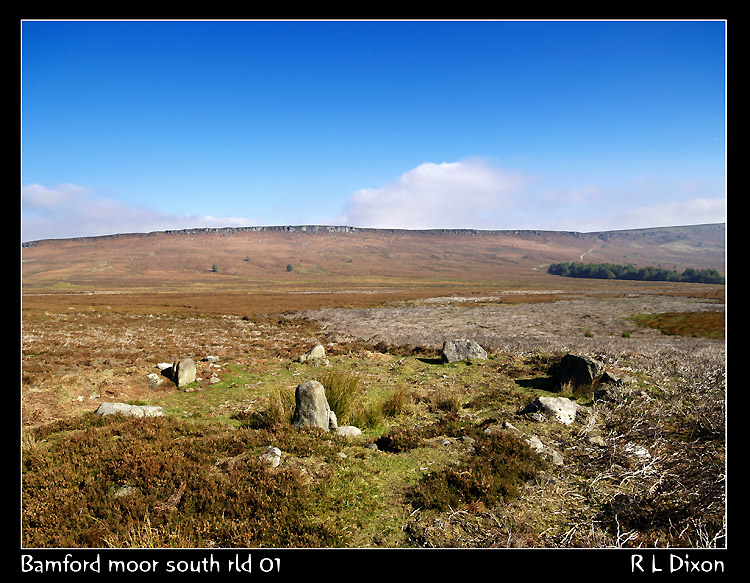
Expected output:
(702, 324)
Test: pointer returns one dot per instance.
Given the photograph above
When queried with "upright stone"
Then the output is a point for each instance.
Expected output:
(579, 370)
(311, 406)
(183, 372)
(462, 349)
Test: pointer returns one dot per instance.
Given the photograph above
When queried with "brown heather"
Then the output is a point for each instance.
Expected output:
(193, 478)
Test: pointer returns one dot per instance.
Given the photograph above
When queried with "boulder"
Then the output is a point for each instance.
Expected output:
(311, 407)
(129, 410)
(562, 409)
(462, 349)
(317, 352)
(579, 370)
(183, 372)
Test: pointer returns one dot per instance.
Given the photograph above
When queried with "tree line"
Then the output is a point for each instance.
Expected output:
(616, 271)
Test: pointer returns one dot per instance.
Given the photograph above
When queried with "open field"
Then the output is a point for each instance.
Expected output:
(445, 458)
(654, 476)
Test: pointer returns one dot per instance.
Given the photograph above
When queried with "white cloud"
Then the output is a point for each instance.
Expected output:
(690, 212)
(695, 211)
(468, 194)
(69, 210)
(41, 198)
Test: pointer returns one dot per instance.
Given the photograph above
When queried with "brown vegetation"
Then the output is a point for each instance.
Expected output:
(655, 475)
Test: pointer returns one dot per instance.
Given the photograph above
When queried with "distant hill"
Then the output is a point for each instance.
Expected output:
(242, 257)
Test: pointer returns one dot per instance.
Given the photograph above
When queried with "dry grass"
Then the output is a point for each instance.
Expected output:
(78, 351)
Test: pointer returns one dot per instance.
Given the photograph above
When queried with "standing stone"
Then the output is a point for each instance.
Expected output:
(183, 372)
(579, 370)
(311, 406)
(462, 349)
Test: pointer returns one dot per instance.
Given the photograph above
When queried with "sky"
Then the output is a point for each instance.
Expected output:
(141, 126)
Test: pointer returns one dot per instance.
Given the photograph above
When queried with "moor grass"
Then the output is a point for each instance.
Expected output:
(441, 475)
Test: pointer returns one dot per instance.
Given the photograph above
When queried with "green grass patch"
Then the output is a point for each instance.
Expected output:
(700, 324)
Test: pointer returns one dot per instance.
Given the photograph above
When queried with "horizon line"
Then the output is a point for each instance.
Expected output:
(318, 228)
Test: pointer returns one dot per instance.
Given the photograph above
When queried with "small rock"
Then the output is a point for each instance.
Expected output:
(154, 380)
(317, 352)
(579, 370)
(120, 491)
(272, 456)
(637, 450)
(348, 431)
(129, 410)
(544, 450)
(561, 408)
(183, 372)
(333, 422)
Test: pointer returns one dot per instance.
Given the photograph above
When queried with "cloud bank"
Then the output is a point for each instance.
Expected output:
(69, 210)
(468, 194)
(475, 195)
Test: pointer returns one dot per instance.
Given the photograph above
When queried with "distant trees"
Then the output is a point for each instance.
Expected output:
(616, 271)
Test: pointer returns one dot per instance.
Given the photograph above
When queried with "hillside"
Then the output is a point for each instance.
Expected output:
(302, 256)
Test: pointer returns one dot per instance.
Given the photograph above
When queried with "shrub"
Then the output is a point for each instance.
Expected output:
(178, 495)
(502, 462)
(366, 415)
(399, 439)
(394, 404)
(280, 409)
(342, 392)
(447, 400)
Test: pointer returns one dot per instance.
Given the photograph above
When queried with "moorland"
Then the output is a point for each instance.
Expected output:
(445, 458)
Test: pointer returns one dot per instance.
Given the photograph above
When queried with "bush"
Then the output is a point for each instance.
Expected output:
(500, 465)
(399, 439)
(394, 404)
(342, 392)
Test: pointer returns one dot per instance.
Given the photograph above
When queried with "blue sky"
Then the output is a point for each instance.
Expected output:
(139, 126)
